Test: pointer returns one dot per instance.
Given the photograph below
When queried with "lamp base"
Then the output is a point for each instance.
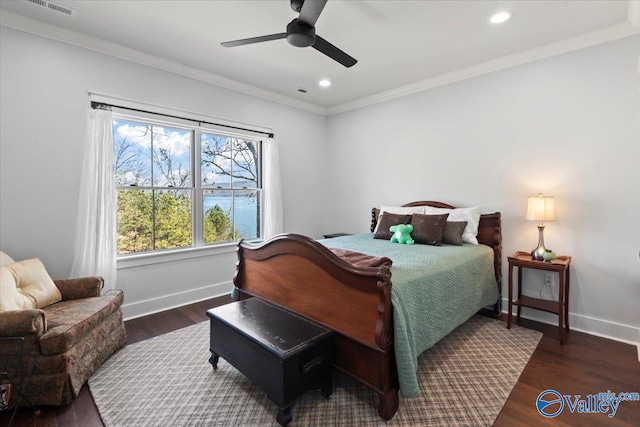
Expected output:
(540, 250)
(537, 253)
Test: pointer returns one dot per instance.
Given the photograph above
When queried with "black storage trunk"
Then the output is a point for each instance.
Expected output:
(282, 353)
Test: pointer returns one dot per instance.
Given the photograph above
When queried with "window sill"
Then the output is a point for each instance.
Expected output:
(138, 260)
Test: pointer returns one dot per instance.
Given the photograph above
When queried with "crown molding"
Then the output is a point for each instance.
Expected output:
(614, 32)
(34, 26)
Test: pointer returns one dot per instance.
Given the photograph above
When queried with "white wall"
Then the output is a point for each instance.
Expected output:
(43, 86)
(567, 126)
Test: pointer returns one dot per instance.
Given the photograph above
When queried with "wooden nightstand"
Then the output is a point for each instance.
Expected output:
(559, 265)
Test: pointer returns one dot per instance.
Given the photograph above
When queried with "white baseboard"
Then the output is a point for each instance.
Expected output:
(166, 302)
(589, 325)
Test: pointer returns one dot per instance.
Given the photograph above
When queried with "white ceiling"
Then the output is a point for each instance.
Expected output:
(399, 45)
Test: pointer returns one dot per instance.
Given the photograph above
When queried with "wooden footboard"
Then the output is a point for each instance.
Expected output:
(301, 275)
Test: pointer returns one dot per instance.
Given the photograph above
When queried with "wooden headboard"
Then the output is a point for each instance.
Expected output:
(489, 233)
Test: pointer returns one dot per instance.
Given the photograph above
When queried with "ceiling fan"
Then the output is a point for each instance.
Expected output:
(301, 32)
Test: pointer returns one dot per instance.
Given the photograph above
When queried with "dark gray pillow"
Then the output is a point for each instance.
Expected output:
(386, 221)
(428, 229)
(453, 232)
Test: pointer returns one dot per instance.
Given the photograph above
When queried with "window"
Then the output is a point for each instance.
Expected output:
(166, 202)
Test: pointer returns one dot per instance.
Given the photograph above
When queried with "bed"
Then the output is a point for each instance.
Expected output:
(304, 276)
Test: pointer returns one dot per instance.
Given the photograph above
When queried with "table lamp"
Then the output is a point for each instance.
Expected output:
(540, 208)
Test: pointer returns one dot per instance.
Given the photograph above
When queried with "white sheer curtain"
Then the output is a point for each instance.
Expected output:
(95, 245)
(271, 189)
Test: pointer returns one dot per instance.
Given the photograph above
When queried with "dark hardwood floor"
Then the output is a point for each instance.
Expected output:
(584, 365)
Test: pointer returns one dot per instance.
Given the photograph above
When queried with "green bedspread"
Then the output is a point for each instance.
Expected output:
(434, 290)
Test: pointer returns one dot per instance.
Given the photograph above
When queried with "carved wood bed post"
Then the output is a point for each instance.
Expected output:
(497, 259)
(388, 400)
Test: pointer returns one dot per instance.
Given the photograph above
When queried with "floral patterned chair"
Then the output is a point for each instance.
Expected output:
(64, 342)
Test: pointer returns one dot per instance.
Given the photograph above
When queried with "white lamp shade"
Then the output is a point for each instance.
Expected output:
(540, 208)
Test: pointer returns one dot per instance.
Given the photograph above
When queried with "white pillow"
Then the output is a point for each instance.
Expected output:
(471, 215)
(399, 210)
(5, 259)
(402, 210)
(10, 297)
(26, 284)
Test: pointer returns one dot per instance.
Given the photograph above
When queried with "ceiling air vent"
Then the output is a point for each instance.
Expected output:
(55, 7)
(306, 92)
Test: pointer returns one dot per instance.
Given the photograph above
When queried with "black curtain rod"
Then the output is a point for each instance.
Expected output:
(102, 105)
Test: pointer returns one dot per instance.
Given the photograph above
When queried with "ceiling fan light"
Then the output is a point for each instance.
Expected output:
(300, 34)
(300, 40)
(500, 17)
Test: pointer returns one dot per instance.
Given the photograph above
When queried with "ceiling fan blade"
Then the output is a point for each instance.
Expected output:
(252, 40)
(311, 10)
(333, 52)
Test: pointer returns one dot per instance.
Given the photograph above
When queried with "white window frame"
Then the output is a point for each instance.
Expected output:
(198, 248)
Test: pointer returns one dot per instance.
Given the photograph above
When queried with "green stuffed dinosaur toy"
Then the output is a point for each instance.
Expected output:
(402, 234)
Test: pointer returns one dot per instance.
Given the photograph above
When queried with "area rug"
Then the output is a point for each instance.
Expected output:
(167, 381)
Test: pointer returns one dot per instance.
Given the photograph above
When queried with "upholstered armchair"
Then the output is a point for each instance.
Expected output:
(64, 342)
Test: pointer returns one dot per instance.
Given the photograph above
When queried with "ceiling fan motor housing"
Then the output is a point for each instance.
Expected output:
(300, 34)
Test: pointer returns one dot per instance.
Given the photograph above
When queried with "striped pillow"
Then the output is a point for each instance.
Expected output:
(453, 231)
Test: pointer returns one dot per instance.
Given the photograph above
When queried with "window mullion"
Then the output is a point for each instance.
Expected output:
(260, 199)
(232, 188)
(198, 209)
(153, 197)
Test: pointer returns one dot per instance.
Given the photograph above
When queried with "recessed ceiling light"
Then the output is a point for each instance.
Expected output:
(324, 83)
(500, 17)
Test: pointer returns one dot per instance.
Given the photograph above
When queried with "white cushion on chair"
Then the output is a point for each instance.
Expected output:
(26, 284)
(5, 259)
(10, 297)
